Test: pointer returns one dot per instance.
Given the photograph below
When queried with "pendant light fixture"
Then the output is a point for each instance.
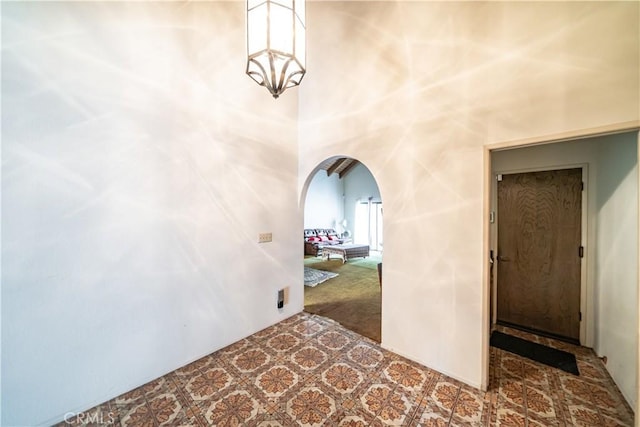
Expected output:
(276, 43)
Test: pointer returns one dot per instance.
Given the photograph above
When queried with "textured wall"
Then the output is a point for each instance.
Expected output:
(139, 164)
(415, 90)
(324, 205)
(617, 265)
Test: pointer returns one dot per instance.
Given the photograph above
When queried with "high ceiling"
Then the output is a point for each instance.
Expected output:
(341, 165)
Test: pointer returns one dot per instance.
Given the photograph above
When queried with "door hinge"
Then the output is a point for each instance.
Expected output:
(580, 316)
(581, 251)
(582, 186)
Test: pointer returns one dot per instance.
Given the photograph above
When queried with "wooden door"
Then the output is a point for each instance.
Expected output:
(539, 255)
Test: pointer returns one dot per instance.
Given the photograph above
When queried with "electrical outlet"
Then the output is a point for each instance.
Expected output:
(264, 237)
(281, 298)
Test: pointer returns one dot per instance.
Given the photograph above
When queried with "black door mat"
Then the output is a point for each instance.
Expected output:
(540, 353)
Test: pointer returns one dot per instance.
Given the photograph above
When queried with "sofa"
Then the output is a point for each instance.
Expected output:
(316, 238)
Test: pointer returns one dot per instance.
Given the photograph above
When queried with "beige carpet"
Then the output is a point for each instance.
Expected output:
(352, 299)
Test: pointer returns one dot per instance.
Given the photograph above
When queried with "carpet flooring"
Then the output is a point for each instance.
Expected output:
(353, 298)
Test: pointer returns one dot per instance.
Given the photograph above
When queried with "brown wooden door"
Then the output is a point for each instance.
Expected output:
(539, 237)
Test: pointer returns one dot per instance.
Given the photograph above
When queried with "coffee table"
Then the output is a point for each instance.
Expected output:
(345, 251)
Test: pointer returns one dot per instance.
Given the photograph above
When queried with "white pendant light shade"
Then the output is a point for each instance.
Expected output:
(276, 43)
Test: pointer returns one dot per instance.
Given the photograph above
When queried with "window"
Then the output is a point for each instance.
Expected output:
(368, 224)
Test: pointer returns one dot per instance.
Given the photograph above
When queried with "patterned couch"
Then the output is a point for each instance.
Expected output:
(316, 238)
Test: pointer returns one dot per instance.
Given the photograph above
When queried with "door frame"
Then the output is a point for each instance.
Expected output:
(500, 143)
(586, 287)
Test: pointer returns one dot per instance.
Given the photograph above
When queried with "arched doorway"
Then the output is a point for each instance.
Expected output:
(343, 227)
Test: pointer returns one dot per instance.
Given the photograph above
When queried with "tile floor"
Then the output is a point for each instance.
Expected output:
(310, 371)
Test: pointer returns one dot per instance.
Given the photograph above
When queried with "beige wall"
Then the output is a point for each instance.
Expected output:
(415, 91)
(139, 164)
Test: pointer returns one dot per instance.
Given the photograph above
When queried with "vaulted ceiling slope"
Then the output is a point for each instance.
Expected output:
(341, 165)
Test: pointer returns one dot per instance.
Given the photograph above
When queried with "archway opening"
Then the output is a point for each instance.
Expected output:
(343, 247)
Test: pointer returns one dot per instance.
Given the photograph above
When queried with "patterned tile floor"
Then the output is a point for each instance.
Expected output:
(310, 371)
